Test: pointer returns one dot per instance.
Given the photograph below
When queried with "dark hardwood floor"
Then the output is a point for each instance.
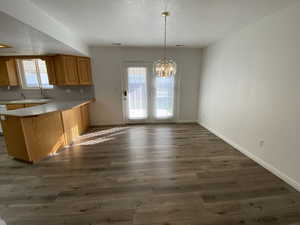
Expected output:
(145, 175)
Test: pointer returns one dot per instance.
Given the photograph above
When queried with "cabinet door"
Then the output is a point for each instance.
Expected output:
(51, 70)
(8, 72)
(3, 73)
(59, 67)
(70, 128)
(85, 117)
(71, 74)
(84, 70)
(72, 124)
(14, 138)
(78, 118)
(43, 135)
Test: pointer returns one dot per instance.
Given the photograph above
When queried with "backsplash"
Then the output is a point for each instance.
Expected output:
(58, 93)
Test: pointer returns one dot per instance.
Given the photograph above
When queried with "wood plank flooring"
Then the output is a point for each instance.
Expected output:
(145, 175)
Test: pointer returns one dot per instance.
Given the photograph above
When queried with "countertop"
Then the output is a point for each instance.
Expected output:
(24, 101)
(53, 106)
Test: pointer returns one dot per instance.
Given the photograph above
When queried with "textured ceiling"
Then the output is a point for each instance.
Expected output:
(194, 23)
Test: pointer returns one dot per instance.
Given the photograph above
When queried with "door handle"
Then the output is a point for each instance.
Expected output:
(125, 93)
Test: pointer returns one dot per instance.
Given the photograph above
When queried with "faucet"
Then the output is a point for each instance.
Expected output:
(23, 96)
(43, 92)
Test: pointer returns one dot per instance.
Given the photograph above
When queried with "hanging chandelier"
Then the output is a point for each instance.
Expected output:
(165, 67)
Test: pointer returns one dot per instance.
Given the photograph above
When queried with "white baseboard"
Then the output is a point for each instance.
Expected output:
(260, 161)
(157, 122)
(186, 121)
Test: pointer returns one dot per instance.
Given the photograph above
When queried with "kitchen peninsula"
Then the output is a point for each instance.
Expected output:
(36, 132)
(37, 128)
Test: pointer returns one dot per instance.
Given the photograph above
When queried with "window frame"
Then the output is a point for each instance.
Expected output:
(21, 72)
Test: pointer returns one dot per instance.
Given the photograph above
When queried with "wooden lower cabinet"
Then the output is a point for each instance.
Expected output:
(85, 117)
(71, 122)
(14, 138)
(33, 104)
(34, 138)
(20, 106)
(43, 135)
(14, 106)
(75, 122)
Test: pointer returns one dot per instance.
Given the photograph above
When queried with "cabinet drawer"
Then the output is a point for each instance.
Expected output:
(14, 106)
(33, 104)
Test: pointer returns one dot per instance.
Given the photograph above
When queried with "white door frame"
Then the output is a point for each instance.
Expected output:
(150, 90)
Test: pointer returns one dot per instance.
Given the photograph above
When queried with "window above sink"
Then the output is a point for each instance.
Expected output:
(33, 74)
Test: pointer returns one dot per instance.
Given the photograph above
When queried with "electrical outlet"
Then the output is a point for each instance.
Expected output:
(68, 90)
(261, 143)
(81, 91)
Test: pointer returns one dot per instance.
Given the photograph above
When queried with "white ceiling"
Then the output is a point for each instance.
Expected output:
(194, 23)
(26, 40)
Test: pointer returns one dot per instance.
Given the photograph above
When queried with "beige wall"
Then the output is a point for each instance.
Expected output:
(250, 91)
(107, 75)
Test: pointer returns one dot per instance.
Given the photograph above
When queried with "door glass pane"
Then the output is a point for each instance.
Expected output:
(164, 97)
(137, 93)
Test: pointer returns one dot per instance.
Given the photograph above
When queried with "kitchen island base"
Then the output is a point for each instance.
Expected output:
(34, 138)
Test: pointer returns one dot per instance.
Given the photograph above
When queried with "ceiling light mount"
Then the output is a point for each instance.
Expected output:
(166, 13)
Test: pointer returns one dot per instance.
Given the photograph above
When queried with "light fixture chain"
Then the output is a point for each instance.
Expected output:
(165, 44)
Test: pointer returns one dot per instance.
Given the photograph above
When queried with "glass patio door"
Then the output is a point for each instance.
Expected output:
(136, 94)
(164, 89)
(147, 98)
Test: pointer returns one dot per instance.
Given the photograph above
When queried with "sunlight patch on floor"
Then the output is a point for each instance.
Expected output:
(95, 141)
(102, 132)
(98, 137)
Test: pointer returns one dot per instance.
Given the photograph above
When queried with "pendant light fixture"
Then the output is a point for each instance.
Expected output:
(165, 67)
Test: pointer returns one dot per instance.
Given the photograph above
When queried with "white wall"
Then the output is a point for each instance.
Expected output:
(250, 89)
(107, 75)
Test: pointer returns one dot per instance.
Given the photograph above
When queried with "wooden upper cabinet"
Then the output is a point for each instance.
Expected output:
(8, 72)
(69, 70)
(50, 69)
(66, 70)
(84, 70)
